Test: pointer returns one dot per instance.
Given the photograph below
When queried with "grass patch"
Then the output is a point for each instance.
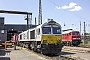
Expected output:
(85, 43)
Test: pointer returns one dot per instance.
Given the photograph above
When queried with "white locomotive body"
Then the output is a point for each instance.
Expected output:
(45, 38)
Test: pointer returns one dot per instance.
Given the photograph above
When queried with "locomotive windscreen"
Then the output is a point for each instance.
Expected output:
(56, 30)
(46, 30)
(75, 33)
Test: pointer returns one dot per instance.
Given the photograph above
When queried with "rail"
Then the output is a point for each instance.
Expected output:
(77, 49)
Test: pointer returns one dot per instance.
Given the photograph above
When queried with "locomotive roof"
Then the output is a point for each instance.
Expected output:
(49, 22)
(65, 32)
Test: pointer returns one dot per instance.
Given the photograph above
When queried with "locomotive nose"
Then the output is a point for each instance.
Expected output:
(52, 39)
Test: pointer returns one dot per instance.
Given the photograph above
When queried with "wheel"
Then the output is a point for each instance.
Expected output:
(23, 45)
(29, 47)
(34, 49)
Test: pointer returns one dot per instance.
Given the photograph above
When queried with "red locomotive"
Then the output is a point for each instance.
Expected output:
(71, 37)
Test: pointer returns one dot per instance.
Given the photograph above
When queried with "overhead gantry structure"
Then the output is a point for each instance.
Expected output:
(28, 18)
(28, 14)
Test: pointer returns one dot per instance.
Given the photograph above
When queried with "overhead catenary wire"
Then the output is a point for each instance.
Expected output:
(72, 14)
(53, 3)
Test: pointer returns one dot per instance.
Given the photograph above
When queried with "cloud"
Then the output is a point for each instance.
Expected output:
(71, 5)
(57, 7)
(76, 8)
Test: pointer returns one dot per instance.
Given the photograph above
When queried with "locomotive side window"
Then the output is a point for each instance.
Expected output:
(23, 36)
(28, 35)
(32, 34)
(46, 30)
(38, 31)
(56, 30)
(20, 37)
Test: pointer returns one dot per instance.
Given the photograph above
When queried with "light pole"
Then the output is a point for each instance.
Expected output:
(64, 24)
(80, 27)
(84, 31)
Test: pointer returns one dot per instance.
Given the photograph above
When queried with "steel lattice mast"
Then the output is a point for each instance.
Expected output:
(40, 13)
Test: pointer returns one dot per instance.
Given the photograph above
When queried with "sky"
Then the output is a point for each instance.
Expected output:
(68, 12)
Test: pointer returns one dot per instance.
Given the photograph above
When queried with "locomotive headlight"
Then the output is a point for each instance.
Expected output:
(59, 41)
(44, 41)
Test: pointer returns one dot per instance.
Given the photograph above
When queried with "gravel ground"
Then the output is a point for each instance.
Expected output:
(22, 54)
(18, 54)
(77, 55)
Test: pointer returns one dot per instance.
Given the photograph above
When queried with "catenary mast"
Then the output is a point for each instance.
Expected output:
(40, 13)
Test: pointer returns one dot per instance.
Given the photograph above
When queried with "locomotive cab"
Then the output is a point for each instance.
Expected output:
(76, 38)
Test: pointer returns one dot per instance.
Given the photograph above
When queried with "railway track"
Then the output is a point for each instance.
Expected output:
(85, 46)
(76, 49)
(60, 56)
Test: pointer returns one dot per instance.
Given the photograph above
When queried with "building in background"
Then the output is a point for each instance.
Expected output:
(3, 35)
(16, 27)
(10, 29)
(1, 23)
